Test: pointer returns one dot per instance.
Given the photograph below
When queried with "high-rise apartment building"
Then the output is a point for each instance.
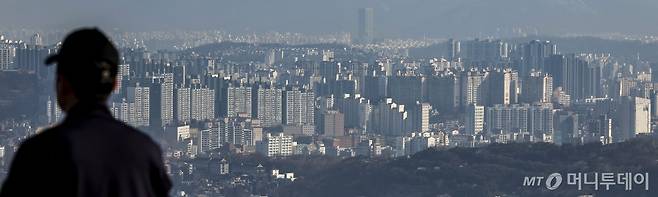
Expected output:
(6, 56)
(443, 92)
(298, 107)
(29, 58)
(202, 104)
(356, 109)
(139, 99)
(238, 131)
(576, 75)
(501, 87)
(121, 110)
(333, 123)
(474, 120)
(473, 88)
(534, 120)
(633, 118)
(485, 52)
(269, 106)
(534, 55)
(405, 90)
(183, 109)
(391, 119)
(537, 87)
(566, 127)
(275, 145)
(208, 139)
(167, 99)
(238, 101)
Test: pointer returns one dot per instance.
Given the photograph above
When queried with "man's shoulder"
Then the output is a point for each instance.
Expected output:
(135, 133)
(136, 139)
(47, 142)
(46, 136)
(98, 124)
(64, 134)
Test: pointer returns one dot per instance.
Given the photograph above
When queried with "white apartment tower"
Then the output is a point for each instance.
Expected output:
(167, 99)
(138, 97)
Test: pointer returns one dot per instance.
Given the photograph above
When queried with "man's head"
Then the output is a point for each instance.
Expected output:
(86, 68)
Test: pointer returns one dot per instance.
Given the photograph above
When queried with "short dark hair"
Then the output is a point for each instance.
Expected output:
(89, 61)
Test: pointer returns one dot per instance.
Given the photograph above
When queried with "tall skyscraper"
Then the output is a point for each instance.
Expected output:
(366, 25)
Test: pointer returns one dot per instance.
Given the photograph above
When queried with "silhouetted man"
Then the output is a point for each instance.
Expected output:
(90, 153)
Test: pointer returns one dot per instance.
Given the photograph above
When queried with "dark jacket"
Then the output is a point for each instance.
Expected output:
(89, 154)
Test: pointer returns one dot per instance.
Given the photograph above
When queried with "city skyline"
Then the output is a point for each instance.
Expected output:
(365, 103)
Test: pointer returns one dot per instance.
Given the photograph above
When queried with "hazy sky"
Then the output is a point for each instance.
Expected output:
(404, 18)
